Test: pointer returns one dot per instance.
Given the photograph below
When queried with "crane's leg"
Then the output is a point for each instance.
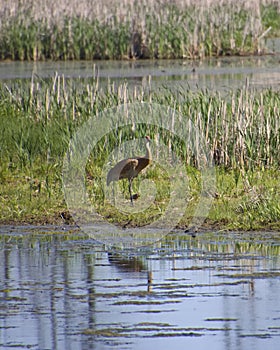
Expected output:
(114, 194)
(130, 190)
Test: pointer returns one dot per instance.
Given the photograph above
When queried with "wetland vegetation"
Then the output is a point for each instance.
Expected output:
(86, 30)
(40, 116)
(60, 288)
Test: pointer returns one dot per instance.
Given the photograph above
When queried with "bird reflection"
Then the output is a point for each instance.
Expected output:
(130, 264)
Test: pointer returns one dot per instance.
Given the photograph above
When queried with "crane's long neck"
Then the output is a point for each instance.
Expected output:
(148, 154)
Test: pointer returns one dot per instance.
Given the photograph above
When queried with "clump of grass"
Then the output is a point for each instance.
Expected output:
(241, 131)
(270, 18)
(250, 202)
(38, 30)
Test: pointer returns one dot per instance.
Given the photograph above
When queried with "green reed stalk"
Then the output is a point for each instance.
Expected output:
(39, 117)
(150, 29)
(241, 131)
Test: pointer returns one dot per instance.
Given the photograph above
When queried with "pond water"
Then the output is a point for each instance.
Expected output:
(61, 290)
(219, 74)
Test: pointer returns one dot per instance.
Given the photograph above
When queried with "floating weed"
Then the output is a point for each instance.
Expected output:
(152, 324)
(177, 334)
(222, 319)
(149, 311)
(153, 330)
(146, 302)
(146, 331)
(255, 275)
(256, 335)
(121, 294)
(107, 332)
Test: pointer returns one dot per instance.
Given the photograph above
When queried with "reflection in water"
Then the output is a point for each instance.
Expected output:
(220, 74)
(58, 292)
(130, 264)
(127, 264)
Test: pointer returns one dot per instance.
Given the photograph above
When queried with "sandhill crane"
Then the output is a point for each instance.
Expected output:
(129, 168)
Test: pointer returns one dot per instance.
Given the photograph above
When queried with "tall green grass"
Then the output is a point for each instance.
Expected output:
(39, 117)
(150, 29)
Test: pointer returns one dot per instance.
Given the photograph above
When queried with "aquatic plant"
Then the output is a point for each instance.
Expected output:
(40, 30)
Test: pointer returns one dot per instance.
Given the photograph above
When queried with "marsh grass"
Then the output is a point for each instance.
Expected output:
(242, 131)
(41, 30)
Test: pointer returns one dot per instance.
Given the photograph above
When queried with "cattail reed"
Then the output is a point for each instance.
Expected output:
(241, 131)
(38, 119)
(86, 30)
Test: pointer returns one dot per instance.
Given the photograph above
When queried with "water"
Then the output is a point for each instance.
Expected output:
(60, 290)
(219, 74)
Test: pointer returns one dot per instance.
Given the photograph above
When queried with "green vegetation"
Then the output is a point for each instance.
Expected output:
(38, 118)
(84, 30)
(270, 18)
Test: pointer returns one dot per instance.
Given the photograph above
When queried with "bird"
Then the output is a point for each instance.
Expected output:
(129, 168)
(192, 231)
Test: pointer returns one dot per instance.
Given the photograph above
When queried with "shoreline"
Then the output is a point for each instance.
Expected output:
(68, 226)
